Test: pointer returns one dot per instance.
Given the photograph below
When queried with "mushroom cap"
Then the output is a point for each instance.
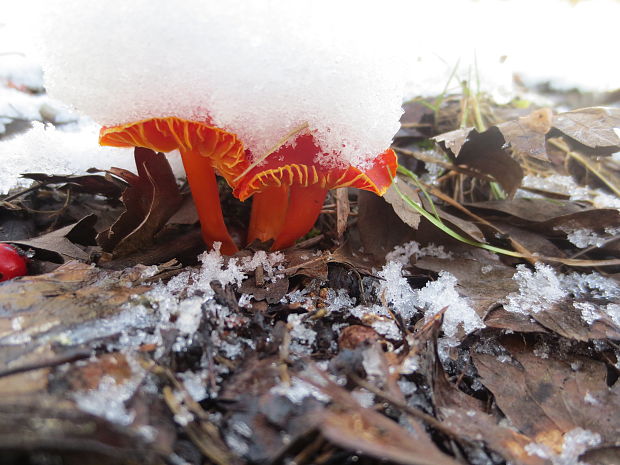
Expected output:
(172, 133)
(298, 164)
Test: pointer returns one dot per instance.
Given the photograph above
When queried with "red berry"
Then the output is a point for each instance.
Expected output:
(12, 264)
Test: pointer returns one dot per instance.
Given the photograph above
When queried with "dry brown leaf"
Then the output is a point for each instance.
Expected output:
(150, 200)
(547, 397)
(595, 127)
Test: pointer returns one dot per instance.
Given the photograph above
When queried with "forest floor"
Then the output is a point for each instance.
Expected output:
(470, 316)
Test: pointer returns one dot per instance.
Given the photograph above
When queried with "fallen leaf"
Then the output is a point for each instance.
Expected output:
(380, 237)
(526, 135)
(547, 397)
(484, 152)
(62, 244)
(404, 211)
(91, 183)
(150, 200)
(594, 127)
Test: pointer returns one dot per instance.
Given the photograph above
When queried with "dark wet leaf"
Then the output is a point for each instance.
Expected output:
(91, 183)
(64, 244)
(380, 237)
(485, 153)
(150, 200)
(417, 121)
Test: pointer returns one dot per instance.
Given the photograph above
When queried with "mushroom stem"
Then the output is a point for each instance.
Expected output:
(285, 214)
(203, 184)
(269, 209)
(304, 206)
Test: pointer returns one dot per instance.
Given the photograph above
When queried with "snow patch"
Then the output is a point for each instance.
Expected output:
(576, 442)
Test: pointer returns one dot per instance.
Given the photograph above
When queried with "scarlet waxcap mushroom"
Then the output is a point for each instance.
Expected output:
(204, 149)
(290, 186)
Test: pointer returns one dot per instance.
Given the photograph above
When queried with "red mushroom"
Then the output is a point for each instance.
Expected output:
(204, 149)
(290, 186)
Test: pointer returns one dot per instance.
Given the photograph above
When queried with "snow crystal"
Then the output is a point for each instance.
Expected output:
(590, 399)
(576, 442)
(108, 400)
(538, 290)
(302, 337)
(566, 185)
(397, 290)
(194, 384)
(589, 311)
(245, 301)
(409, 365)
(295, 297)
(338, 300)
(363, 397)
(214, 268)
(403, 253)
(434, 297)
(332, 65)
(583, 238)
(387, 328)
(298, 390)
(442, 293)
(407, 387)
(190, 315)
(271, 263)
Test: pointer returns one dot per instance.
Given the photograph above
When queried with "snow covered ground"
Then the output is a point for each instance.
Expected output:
(485, 42)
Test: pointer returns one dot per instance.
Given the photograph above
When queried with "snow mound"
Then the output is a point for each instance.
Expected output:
(45, 149)
(257, 69)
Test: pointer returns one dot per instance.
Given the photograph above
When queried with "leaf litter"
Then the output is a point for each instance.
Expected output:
(382, 337)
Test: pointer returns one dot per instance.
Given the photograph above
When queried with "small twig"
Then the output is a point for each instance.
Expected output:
(68, 357)
(24, 191)
(426, 418)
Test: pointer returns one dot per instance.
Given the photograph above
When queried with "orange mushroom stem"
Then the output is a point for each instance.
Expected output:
(290, 187)
(204, 149)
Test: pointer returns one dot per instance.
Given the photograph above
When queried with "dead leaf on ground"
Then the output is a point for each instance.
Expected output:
(484, 152)
(547, 397)
(150, 200)
(90, 183)
(353, 427)
(53, 425)
(400, 206)
(526, 135)
(64, 244)
(594, 127)
(380, 237)
(465, 415)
